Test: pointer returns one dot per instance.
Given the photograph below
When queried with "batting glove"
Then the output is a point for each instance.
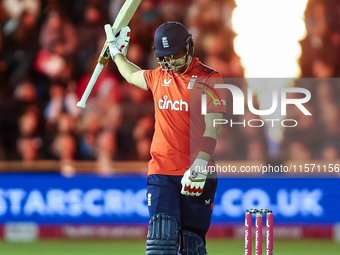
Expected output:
(193, 180)
(119, 44)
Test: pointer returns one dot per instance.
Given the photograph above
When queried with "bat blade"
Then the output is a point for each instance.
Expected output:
(125, 14)
(89, 87)
(123, 18)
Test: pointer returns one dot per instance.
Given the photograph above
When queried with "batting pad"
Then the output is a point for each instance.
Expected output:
(162, 238)
(192, 244)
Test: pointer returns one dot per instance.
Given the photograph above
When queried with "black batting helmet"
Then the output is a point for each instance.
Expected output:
(170, 38)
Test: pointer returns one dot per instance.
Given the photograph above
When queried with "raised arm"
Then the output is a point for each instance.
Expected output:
(131, 72)
(118, 49)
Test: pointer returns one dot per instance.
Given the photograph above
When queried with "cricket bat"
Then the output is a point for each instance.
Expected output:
(123, 18)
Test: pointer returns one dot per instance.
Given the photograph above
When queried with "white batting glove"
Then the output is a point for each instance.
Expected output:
(193, 180)
(119, 44)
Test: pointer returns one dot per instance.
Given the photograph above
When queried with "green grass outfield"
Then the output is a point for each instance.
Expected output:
(129, 247)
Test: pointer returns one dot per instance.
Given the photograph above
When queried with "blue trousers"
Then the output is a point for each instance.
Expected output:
(192, 213)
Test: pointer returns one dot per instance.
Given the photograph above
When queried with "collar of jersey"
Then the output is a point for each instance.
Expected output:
(192, 64)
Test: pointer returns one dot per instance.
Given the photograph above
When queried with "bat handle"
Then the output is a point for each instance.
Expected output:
(89, 87)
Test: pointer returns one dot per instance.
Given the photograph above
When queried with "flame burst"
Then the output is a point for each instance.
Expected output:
(268, 34)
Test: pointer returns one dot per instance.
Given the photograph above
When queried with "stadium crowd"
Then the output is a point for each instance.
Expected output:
(49, 48)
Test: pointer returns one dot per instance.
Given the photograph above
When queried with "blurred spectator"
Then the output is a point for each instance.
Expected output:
(330, 123)
(323, 68)
(144, 128)
(106, 149)
(14, 8)
(75, 10)
(25, 92)
(20, 45)
(64, 147)
(58, 40)
(28, 123)
(207, 16)
(67, 124)
(333, 20)
(150, 14)
(90, 31)
(27, 104)
(61, 100)
(305, 133)
(28, 149)
(173, 10)
(315, 19)
(29, 141)
(317, 43)
(52, 65)
(325, 95)
(58, 35)
(91, 126)
(135, 53)
(256, 151)
(142, 135)
(329, 151)
(215, 50)
(298, 151)
(143, 149)
(106, 145)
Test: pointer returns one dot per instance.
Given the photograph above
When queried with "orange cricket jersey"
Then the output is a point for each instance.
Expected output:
(179, 125)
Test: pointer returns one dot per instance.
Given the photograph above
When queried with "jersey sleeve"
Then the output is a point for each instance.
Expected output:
(218, 102)
(149, 77)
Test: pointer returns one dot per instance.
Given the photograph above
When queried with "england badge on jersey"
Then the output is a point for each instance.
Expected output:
(192, 82)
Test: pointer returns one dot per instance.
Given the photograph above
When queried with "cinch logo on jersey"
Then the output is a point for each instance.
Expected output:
(165, 104)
